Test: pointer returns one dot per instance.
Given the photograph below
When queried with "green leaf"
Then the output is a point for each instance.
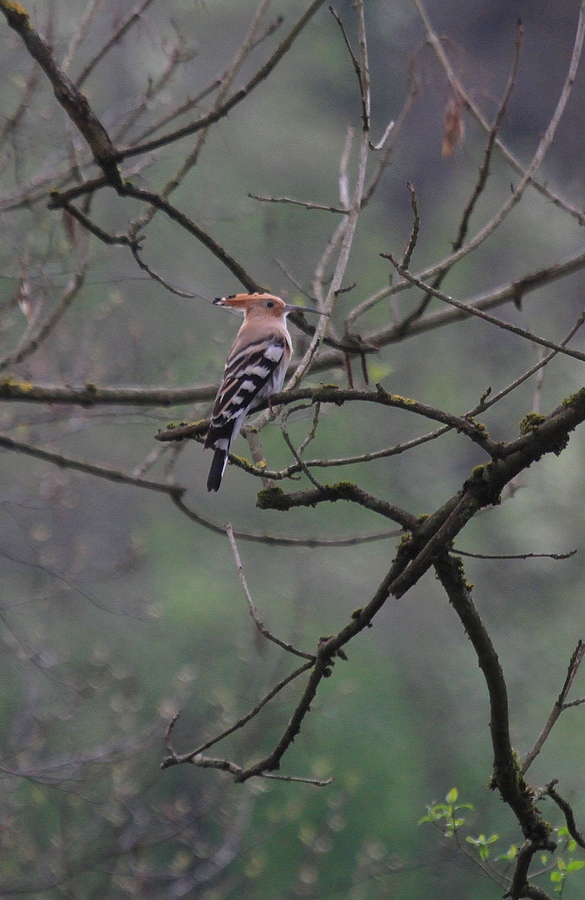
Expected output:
(510, 854)
(452, 796)
(574, 865)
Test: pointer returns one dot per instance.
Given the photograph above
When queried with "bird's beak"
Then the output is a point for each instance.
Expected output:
(290, 307)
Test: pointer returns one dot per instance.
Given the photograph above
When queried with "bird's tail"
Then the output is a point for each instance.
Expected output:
(217, 466)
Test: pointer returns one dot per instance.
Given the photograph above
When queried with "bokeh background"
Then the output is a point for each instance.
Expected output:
(116, 611)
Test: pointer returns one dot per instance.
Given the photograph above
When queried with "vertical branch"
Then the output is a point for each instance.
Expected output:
(347, 227)
(507, 774)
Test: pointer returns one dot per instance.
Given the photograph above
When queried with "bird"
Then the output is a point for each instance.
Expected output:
(255, 369)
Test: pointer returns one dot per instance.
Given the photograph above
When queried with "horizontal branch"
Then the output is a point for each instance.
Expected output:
(93, 395)
(67, 462)
(275, 498)
(339, 396)
(176, 492)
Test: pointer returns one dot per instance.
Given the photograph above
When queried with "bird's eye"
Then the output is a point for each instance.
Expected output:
(269, 304)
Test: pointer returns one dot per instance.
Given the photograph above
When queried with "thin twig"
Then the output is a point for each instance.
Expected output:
(135, 250)
(494, 223)
(559, 706)
(252, 608)
(298, 453)
(460, 91)
(357, 69)
(68, 95)
(176, 759)
(76, 465)
(478, 189)
(348, 225)
(31, 342)
(485, 403)
(173, 183)
(235, 99)
(474, 311)
(133, 16)
(407, 256)
(492, 135)
(555, 556)
(273, 540)
(193, 228)
(96, 230)
(80, 33)
(304, 203)
(567, 812)
(11, 122)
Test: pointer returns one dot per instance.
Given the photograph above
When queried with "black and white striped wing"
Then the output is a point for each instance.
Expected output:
(252, 373)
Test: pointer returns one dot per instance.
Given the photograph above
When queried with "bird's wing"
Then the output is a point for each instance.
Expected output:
(249, 378)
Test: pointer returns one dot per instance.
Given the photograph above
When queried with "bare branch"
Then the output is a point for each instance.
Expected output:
(123, 27)
(31, 342)
(560, 705)
(135, 249)
(227, 80)
(523, 556)
(273, 540)
(275, 498)
(154, 199)
(175, 759)
(475, 311)
(407, 256)
(460, 91)
(67, 462)
(96, 230)
(304, 203)
(507, 775)
(492, 135)
(71, 99)
(568, 813)
(79, 34)
(251, 606)
(236, 98)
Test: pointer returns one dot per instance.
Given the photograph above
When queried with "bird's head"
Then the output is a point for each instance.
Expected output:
(264, 304)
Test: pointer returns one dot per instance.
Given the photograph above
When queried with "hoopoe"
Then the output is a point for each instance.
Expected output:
(255, 369)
